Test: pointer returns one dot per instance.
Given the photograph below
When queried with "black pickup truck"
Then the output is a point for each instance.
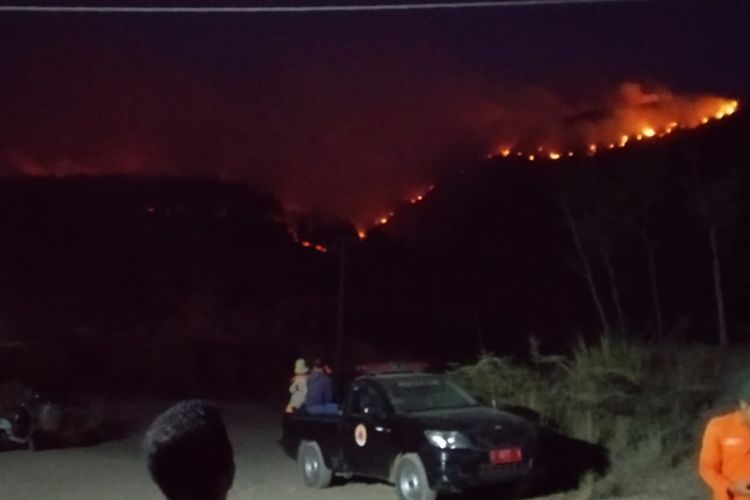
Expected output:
(419, 431)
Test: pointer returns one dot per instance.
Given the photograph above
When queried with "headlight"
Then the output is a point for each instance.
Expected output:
(448, 440)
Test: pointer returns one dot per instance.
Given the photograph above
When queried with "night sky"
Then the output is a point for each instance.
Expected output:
(341, 113)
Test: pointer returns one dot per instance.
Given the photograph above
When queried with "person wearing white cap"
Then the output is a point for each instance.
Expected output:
(298, 386)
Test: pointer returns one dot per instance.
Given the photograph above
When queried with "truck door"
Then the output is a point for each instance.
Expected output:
(367, 440)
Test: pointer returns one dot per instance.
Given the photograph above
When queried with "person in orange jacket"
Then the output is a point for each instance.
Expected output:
(725, 453)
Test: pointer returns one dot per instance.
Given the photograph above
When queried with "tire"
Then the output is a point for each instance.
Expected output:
(312, 466)
(411, 479)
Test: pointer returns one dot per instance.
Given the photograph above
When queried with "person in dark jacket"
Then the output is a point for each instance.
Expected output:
(320, 391)
(188, 452)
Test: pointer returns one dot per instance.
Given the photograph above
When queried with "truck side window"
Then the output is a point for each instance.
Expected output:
(366, 400)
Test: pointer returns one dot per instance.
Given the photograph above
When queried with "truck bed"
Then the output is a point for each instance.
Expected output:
(324, 429)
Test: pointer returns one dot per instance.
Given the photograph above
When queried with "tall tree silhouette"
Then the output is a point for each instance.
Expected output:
(596, 212)
(640, 186)
(716, 204)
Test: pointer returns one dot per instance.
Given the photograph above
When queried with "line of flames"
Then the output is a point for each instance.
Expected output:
(646, 132)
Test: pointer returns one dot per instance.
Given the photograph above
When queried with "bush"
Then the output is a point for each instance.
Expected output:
(644, 402)
(501, 382)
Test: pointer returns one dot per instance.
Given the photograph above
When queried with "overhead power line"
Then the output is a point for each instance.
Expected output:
(296, 9)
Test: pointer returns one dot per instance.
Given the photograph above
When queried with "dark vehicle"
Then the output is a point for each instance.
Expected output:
(18, 407)
(31, 421)
(16, 430)
(419, 431)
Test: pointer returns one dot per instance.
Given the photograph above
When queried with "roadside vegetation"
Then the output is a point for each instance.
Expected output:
(645, 403)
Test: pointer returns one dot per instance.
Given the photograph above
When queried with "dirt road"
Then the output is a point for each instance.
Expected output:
(115, 470)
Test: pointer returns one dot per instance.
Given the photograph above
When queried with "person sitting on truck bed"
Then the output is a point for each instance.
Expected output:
(188, 452)
(320, 391)
(298, 387)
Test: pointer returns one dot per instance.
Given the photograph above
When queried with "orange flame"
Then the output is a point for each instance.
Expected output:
(650, 120)
(632, 114)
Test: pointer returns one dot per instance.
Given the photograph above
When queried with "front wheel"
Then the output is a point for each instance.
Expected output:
(411, 479)
(313, 467)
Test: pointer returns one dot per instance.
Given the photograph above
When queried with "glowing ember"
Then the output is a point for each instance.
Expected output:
(624, 140)
(554, 156)
(321, 248)
(306, 244)
(383, 220)
(648, 132)
(414, 200)
(361, 234)
(505, 152)
(704, 120)
(531, 157)
(592, 149)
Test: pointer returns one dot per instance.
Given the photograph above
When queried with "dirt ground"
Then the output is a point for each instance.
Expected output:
(115, 470)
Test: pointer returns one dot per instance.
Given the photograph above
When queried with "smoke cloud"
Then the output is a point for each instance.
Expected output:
(346, 130)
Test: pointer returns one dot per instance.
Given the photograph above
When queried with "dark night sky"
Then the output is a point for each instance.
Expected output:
(339, 112)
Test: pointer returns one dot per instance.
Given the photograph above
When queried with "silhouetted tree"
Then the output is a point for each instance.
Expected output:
(586, 262)
(715, 203)
(596, 212)
(639, 187)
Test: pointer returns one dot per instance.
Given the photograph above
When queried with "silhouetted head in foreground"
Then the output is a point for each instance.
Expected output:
(189, 454)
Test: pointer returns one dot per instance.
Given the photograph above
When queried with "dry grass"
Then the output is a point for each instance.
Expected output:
(645, 403)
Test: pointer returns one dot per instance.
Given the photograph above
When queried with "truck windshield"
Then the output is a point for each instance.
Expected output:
(425, 393)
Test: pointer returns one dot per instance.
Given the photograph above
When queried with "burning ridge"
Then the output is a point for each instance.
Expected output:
(636, 116)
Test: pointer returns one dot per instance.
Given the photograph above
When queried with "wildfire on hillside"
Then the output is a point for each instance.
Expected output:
(657, 116)
(636, 116)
